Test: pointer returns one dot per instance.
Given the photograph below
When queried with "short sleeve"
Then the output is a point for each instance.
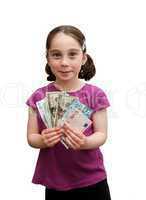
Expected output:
(99, 100)
(36, 96)
(31, 101)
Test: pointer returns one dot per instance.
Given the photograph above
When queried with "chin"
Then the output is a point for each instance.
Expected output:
(66, 77)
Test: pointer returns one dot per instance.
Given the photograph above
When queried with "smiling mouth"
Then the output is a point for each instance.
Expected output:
(65, 72)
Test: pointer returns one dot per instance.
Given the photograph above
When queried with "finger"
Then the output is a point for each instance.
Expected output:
(54, 142)
(53, 138)
(73, 136)
(68, 127)
(50, 130)
(51, 134)
(71, 143)
(75, 141)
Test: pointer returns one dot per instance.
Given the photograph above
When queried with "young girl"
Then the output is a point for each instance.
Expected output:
(79, 169)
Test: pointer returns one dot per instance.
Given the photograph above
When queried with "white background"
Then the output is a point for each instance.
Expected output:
(116, 39)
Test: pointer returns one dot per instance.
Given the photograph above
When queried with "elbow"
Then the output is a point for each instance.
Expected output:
(29, 141)
(104, 139)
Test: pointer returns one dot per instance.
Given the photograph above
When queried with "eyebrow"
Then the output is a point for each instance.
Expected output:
(72, 49)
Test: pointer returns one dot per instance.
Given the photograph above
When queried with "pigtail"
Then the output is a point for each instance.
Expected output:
(51, 76)
(88, 70)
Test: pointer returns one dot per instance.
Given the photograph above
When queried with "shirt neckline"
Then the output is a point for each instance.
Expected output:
(71, 92)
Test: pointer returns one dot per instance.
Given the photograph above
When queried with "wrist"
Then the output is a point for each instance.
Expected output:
(36, 141)
(85, 145)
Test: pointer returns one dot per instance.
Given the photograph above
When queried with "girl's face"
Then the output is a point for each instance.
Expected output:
(65, 57)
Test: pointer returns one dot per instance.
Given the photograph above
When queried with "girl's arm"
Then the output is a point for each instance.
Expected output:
(99, 136)
(48, 137)
(34, 138)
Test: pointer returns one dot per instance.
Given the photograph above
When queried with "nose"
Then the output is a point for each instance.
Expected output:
(64, 61)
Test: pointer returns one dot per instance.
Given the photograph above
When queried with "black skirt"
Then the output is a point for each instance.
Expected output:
(98, 191)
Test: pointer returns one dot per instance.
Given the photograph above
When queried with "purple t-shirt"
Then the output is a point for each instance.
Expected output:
(63, 169)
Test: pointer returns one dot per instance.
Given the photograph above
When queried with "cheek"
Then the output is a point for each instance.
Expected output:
(76, 68)
(77, 64)
(54, 65)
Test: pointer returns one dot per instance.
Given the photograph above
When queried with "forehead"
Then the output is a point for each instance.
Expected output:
(64, 42)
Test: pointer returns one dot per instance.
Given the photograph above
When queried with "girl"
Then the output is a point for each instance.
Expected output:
(79, 169)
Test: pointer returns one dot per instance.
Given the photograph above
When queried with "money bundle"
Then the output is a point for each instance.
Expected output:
(59, 107)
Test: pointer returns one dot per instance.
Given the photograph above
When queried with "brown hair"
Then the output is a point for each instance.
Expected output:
(88, 69)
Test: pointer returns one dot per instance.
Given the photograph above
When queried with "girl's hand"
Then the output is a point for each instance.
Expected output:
(51, 136)
(75, 139)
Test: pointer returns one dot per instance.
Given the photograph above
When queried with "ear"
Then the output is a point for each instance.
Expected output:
(84, 59)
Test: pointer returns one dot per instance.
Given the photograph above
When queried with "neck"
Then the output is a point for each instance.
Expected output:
(68, 86)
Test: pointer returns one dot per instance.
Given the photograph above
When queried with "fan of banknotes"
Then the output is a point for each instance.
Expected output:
(59, 107)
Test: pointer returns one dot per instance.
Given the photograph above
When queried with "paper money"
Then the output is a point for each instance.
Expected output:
(77, 120)
(76, 104)
(47, 112)
(64, 103)
(58, 102)
(53, 102)
(58, 107)
(85, 109)
(42, 111)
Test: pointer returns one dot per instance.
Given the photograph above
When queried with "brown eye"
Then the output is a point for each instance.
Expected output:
(72, 54)
(55, 55)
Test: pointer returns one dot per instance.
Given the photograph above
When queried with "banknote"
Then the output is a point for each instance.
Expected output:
(64, 103)
(47, 112)
(77, 120)
(58, 102)
(85, 109)
(40, 106)
(44, 111)
(58, 107)
(76, 104)
(53, 101)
